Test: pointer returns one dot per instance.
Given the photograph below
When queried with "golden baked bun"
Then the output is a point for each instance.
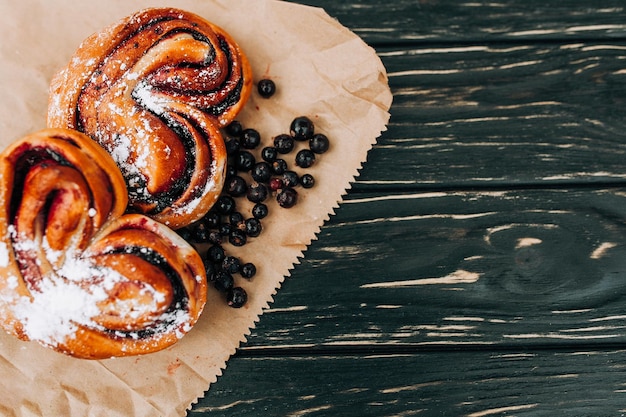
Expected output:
(153, 90)
(76, 273)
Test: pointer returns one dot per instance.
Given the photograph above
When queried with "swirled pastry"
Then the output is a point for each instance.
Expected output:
(76, 273)
(153, 90)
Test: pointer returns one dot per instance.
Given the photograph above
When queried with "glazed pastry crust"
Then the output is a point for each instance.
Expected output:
(77, 274)
(154, 90)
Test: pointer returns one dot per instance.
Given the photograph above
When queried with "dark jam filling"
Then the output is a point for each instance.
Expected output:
(33, 156)
(230, 101)
(180, 301)
(235, 94)
(215, 110)
(199, 37)
(136, 184)
(166, 199)
(36, 156)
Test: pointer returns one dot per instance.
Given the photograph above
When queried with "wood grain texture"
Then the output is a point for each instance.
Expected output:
(517, 268)
(456, 303)
(411, 21)
(484, 115)
(460, 383)
(478, 267)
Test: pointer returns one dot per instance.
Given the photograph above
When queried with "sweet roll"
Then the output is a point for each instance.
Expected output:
(154, 90)
(77, 273)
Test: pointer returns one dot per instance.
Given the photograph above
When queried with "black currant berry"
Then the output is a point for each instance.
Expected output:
(284, 143)
(237, 237)
(305, 158)
(225, 229)
(211, 219)
(307, 181)
(223, 281)
(319, 143)
(214, 237)
(215, 254)
(253, 227)
(225, 204)
(269, 154)
(290, 178)
(235, 218)
(231, 264)
(257, 192)
(287, 197)
(236, 186)
(211, 271)
(250, 139)
(244, 161)
(231, 170)
(279, 166)
(200, 232)
(232, 146)
(266, 88)
(236, 297)
(261, 172)
(239, 226)
(301, 128)
(234, 128)
(276, 184)
(248, 270)
(260, 211)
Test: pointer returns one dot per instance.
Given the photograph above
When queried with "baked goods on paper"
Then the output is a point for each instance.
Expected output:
(134, 118)
(322, 70)
(153, 89)
(79, 275)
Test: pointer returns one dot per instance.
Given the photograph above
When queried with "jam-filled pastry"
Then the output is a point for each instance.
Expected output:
(77, 274)
(154, 90)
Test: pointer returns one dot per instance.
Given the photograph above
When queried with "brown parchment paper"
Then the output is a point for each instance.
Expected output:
(322, 70)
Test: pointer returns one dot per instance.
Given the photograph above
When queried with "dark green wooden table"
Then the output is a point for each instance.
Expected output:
(478, 267)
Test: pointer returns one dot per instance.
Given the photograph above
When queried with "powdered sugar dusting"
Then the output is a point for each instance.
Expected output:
(12, 282)
(63, 299)
(4, 255)
(70, 296)
(119, 147)
(55, 310)
(191, 205)
(145, 96)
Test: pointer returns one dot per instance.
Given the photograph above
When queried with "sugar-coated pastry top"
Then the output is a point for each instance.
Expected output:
(79, 275)
(153, 90)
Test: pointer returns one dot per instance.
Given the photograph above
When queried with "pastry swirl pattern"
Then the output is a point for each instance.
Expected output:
(78, 274)
(153, 90)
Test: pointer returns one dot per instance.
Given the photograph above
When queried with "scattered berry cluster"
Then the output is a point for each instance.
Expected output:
(255, 174)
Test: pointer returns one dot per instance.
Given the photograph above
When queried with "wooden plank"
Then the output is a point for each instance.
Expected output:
(412, 21)
(461, 383)
(483, 115)
(505, 268)
(478, 267)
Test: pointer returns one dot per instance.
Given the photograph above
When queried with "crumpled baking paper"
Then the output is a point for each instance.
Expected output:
(322, 70)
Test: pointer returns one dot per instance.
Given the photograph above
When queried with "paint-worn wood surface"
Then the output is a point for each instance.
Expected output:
(478, 267)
